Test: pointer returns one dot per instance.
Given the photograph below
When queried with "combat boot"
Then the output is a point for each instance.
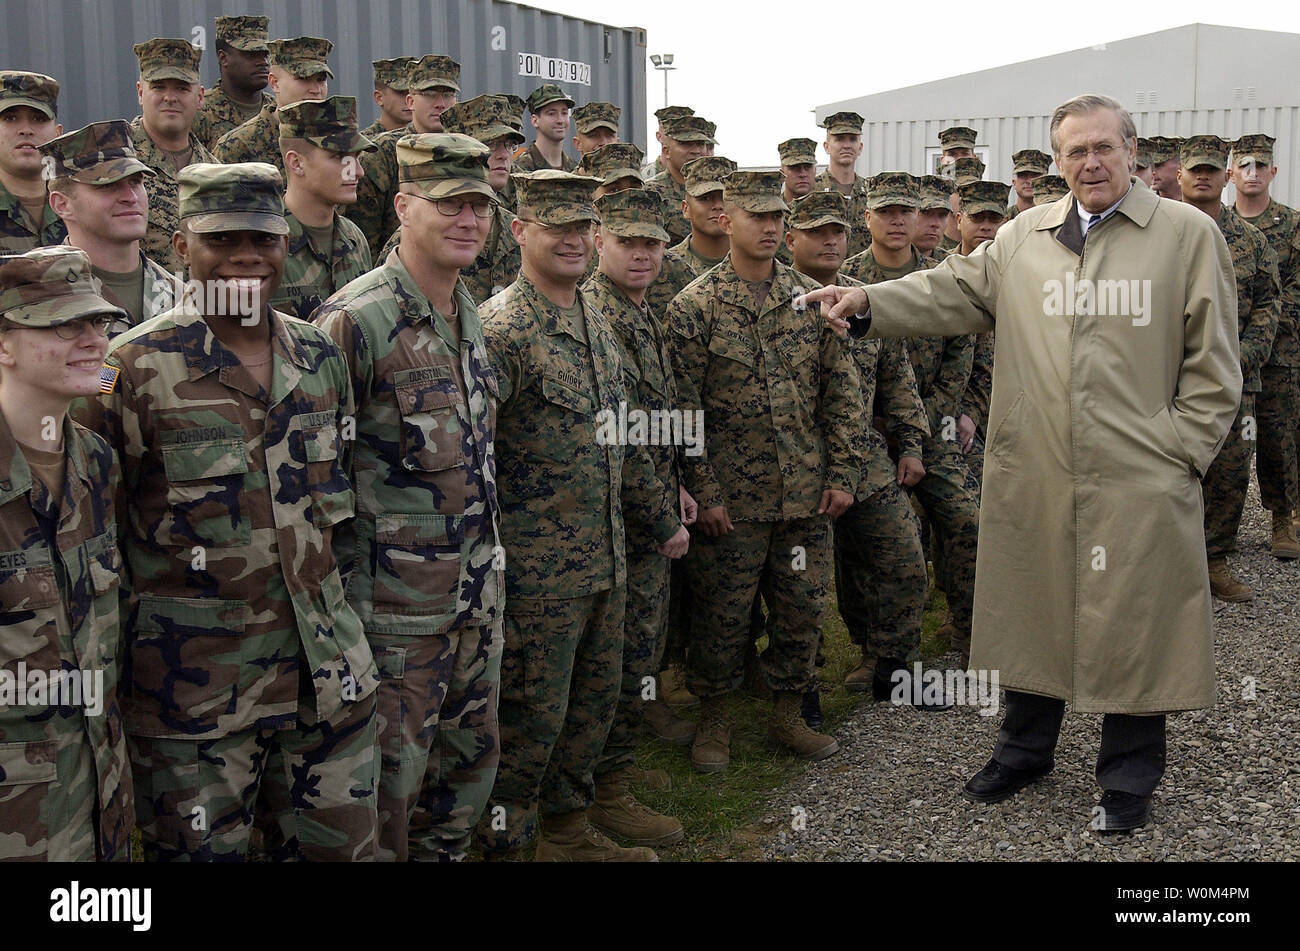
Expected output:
(569, 837)
(1284, 537)
(712, 749)
(788, 729)
(672, 687)
(617, 812)
(859, 678)
(665, 725)
(1224, 586)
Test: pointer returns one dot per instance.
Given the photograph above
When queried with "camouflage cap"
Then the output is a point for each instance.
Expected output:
(555, 198)
(596, 115)
(632, 213)
(1256, 147)
(817, 208)
(1163, 148)
(302, 56)
(979, 196)
(243, 196)
(707, 174)
(968, 168)
(1030, 160)
(957, 137)
(1049, 188)
(394, 73)
(444, 164)
(99, 154)
(1203, 150)
(843, 123)
(544, 95)
(34, 90)
(797, 152)
(673, 112)
(486, 118)
(935, 191)
(757, 192)
(433, 71)
(163, 58)
(613, 162)
(246, 33)
(46, 287)
(328, 123)
(691, 129)
(1143, 153)
(515, 106)
(892, 188)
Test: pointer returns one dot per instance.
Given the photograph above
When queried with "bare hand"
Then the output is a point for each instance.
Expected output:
(838, 304)
(676, 546)
(835, 503)
(965, 432)
(690, 510)
(714, 521)
(910, 470)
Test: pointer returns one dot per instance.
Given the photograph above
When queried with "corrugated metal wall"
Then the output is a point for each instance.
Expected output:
(86, 45)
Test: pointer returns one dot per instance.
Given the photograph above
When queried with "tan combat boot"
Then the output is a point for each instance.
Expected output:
(1224, 586)
(672, 687)
(711, 751)
(664, 725)
(1284, 537)
(788, 728)
(569, 837)
(617, 812)
(859, 678)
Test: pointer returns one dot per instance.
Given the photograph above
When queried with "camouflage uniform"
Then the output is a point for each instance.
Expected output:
(219, 113)
(673, 193)
(163, 190)
(531, 159)
(1049, 188)
(859, 237)
(162, 292)
(246, 666)
(395, 74)
(18, 232)
(65, 791)
(257, 140)
(701, 176)
(692, 258)
(673, 277)
(1026, 160)
(782, 400)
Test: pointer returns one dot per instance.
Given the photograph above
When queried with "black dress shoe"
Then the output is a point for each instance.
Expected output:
(996, 782)
(1122, 812)
(894, 679)
(812, 708)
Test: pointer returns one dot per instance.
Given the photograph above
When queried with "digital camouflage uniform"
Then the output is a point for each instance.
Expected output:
(65, 791)
(246, 667)
(427, 578)
(219, 113)
(692, 258)
(562, 526)
(395, 74)
(781, 403)
(18, 232)
(673, 277)
(859, 237)
(682, 129)
(1026, 160)
(701, 176)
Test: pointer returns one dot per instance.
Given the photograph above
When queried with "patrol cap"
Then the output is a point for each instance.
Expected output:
(554, 197)
(515, 106)
(394, 73)
(246, 33)
(632, 213)
(433, 71)
(613, 162)
(968, 168)
(842, 123)
(244, 196)
(817, 208)
(328, 123)
(444, 164)
(892, 188)
(544, 95)
(1049, 188)
(707, 174)
(35, 90)
(1256, 147)
(691, 129)
(1203, 150)
(935, 191)
(798, 152)
(98, 154)
(981, 196)
(1163, 148)
(756, 192)
(486, 118)
(163, 58)
(46, 287)
(302, 56)
(596, 115)
(957, 137)
(1143, 153)
(1030, 160)
(673, 112)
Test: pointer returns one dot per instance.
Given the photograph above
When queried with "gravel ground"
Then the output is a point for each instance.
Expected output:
(1231, 789)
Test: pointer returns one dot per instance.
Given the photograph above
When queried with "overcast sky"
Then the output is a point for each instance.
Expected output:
(758, 68)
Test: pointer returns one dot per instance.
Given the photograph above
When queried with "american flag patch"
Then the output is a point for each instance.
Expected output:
(108, 378)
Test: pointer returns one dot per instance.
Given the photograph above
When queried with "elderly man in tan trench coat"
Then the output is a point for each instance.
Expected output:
(1116, 380)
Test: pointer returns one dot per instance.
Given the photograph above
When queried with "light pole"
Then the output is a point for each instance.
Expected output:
(665, 65)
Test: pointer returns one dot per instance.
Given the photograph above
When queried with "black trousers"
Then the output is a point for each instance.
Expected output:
(1132, 754)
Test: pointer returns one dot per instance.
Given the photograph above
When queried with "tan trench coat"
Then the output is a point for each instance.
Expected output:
(1091, 581)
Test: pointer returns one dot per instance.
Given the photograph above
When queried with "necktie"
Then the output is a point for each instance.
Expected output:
(1092, 221)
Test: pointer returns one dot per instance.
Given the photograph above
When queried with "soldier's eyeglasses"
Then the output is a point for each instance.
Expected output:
(75, 328)
(451, 207)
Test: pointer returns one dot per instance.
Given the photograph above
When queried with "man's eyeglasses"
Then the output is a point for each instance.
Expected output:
(482, 207)
(75, 328)
(1103, 152)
